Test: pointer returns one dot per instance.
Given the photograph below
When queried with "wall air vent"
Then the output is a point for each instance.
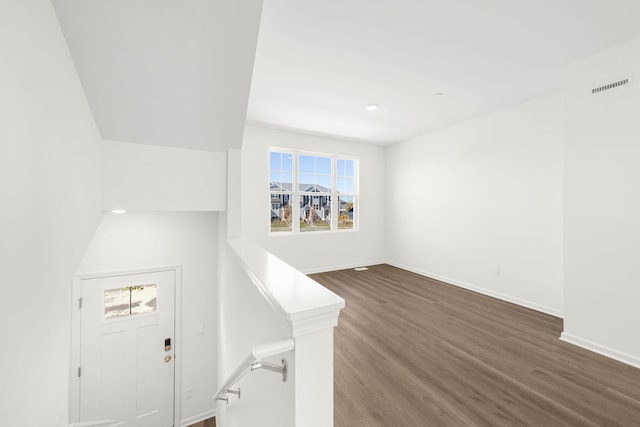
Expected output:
(610, 86)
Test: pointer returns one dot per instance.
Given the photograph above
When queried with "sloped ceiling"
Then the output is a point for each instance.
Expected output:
(178, 72)
(165, 72)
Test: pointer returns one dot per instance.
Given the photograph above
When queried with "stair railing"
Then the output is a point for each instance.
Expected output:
(253, 361)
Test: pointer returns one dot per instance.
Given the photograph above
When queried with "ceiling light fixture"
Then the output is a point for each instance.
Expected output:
(372, 107)
(438, 94)
(118, 211)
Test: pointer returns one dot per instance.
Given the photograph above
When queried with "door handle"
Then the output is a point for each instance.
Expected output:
(167, 358)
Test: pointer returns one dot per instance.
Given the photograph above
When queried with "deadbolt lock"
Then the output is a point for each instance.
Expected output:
(167, 344)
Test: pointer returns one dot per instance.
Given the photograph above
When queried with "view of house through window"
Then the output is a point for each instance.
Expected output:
(311, 192)
(345, 178)
(281, 187)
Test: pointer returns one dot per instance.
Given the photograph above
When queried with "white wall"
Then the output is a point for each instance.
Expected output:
(483, 194)
(156, 239)
(50, 206)
(153, 178)
(602, 209)
(312, 252)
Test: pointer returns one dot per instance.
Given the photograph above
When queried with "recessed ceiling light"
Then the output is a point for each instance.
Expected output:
(118, 211)
(372, 107)
(438, 94)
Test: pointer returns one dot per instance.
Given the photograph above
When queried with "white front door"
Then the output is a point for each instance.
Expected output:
(127, 349)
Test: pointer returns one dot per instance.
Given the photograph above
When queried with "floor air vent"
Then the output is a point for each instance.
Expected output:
(610, 86)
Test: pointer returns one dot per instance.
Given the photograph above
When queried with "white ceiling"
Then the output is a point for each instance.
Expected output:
(318, 63)
(178, 72)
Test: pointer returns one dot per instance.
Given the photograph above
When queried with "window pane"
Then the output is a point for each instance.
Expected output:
(280, 181)
(275, 161)
(123, 302)
(287, 180)
(323, 183)
(274, 180)
(280, 171)
(323, 174)
(314, 171)
(280, 212)
(344, 168)
(315, 213)
(287, 162)
(116, 303)
(306, 164)
(345, 185)
(349, 167)
(323, 166)
(144, 299)
(345, 208)
(307, 182)
(348, 185)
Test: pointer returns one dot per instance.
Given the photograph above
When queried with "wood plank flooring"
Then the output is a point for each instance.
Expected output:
(211, 422)
(411, 351)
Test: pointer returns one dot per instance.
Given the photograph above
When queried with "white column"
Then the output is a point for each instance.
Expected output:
(314, 379)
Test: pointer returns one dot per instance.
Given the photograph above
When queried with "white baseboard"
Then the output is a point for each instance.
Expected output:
(601, 349)
(197, 418)
(341, 267)
(508, 298)
(104, 423)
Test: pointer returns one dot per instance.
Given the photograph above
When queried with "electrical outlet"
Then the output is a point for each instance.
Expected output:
(200, 328)
(188, 393)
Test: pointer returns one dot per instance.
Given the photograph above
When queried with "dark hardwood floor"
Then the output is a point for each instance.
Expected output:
(411, 351)
(211, 422)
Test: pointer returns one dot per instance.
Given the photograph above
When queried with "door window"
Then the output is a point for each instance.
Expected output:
(130, 300)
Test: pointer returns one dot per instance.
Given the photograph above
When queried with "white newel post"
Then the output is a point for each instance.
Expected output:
(304, 311)
(314, 369)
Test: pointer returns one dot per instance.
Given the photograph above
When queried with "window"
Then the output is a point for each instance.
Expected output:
(312, 192)
(128, 301)
(345, 178)
(281, 188)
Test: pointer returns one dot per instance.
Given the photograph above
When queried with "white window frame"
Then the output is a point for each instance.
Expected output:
(296, 193)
